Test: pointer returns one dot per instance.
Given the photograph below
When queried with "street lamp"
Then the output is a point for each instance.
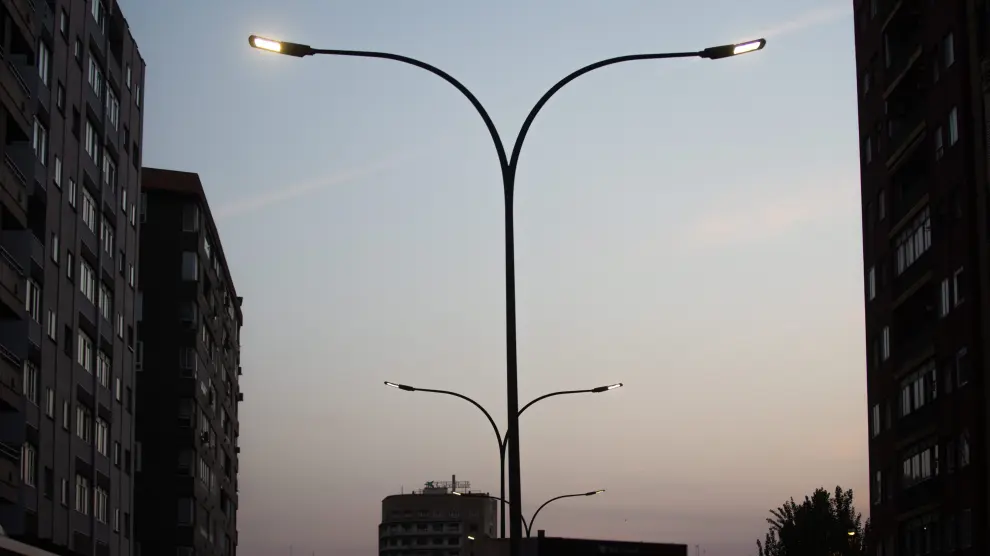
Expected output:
(508, 164)
(529, 526)
(503, 440)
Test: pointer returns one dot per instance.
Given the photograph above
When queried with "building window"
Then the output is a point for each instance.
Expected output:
(117, 389)
(939, 147)
(919, 388)
(87, 281)
(77, 50)
(190, 218)
(29, 465)
(30, 379)
(39, 141)
(92, 142)
(50, 403)
(885, 344)
(871, 284)
(116, 520)
(953, 126)
(65, 415)
(84, 424)
(881, 205)
(868, 150)
(913, 241)
(110, 174)
(920, 465)
(82, 495)
(89, 210)
(131, 275)
(877, 488)
(106, 302)
(85, 352)
(944, 298)
(57, 172)
(44, 63)
(60, 97)
(102, 437)
(103, 367)
(120, 326)
(32, 300)
(113, 108)
(127, 75)
(190, 266)
(962, 367)
(964, 452)
(100, 505)
(957, 286)
(95, 77)
(72, 193)
(875, 420)
(106, 236)
(948, 50)
(52, 326)
(64, 496)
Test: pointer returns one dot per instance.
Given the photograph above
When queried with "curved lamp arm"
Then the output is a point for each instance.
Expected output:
(537, 512)
(407, 388)
(301, 50)
(597, 390)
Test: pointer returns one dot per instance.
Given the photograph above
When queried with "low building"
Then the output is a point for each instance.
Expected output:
(541, 545)
(443, 518)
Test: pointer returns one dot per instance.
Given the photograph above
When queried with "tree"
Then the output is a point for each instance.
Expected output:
(822, 525)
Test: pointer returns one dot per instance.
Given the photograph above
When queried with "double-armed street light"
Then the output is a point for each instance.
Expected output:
(508, 165)
(503, 439)
(529, 526)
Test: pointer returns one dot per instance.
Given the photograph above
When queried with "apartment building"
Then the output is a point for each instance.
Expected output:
(71, 83)
(923, 81)
(436, 520)
(188, 376)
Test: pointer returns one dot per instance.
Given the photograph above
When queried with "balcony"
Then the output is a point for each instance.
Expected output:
(13, 191)
(10, 381)
(11, 286)
(905, 124)
(10, 473)
(909, 183)
(902, 44)
(22, 15)
(914, 327)
(16, 92)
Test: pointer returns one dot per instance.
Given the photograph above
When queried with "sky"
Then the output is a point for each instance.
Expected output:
(688, 227)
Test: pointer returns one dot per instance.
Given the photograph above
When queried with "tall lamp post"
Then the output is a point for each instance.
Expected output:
(529, 526)
(503, 439)
(508, 164)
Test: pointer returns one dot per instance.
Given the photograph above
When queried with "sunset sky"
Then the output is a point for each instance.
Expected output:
(690, 228)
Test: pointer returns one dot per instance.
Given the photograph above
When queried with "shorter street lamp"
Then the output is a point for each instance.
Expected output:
(503, 440)
(529, 526)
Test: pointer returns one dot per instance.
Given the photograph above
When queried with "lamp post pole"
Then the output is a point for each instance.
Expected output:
(502, 439)
(508, 163)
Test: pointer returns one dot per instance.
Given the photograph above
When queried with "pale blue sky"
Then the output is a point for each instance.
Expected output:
(688, 227)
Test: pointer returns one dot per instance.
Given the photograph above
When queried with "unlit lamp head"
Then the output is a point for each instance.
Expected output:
(399, 386)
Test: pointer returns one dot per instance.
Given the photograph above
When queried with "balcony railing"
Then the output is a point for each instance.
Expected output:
(905, 123)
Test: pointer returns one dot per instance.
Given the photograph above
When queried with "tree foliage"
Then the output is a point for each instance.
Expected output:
(818, 526)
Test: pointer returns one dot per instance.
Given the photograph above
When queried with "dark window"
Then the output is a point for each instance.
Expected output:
(49, 483)
(127, 462)
(76, 119)
(67, 340)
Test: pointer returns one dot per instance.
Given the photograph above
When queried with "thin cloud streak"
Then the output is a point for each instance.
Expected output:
(824, 15)
(264, 200)
(735, 224)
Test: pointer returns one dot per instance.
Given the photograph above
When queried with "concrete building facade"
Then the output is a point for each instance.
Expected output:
(435, 521)
(923, 82)
(71, 82)
(188, 380)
